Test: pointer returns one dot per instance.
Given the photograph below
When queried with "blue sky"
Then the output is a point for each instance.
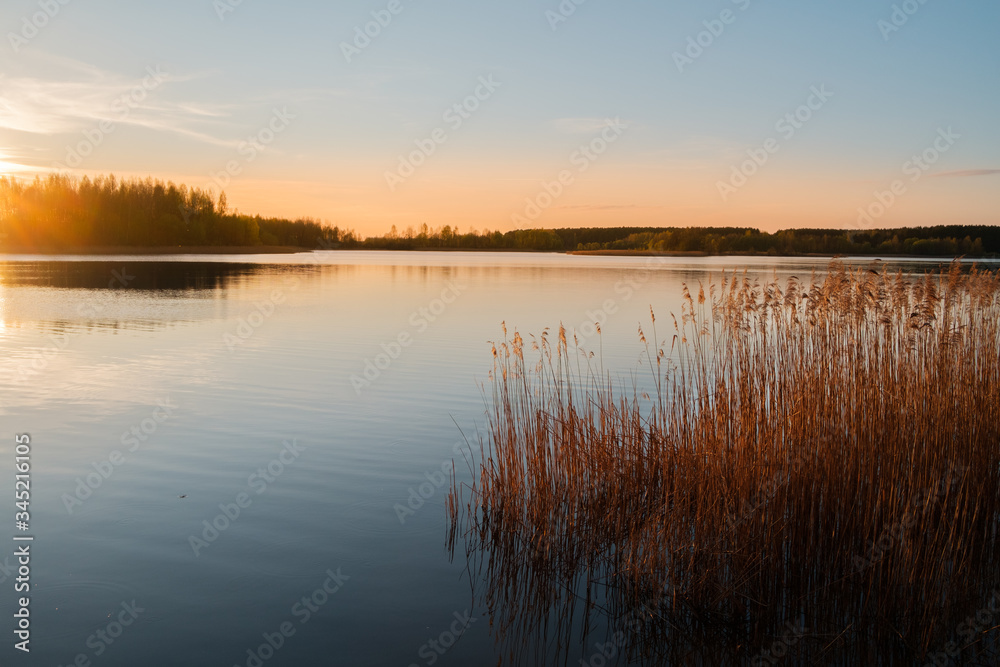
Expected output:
(225, 77)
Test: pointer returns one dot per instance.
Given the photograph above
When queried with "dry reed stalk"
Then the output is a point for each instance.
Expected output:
(825, 453)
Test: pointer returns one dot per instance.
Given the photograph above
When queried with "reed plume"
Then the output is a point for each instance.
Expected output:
(820, 453)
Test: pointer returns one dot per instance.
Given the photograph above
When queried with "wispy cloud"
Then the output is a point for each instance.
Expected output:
(15, 162)
(962, 173)
(78, 96)
(71, 104)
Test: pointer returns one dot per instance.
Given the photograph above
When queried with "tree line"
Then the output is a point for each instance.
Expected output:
(61, 213)
(946, 240)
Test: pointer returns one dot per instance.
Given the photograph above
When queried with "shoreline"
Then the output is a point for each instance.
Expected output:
(641, 253)
(697, 253)
(130, 251)
(160, 250)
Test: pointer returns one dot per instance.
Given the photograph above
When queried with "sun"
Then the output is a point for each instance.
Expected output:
(8, 168)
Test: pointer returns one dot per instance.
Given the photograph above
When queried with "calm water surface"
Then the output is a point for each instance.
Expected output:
(161, 393)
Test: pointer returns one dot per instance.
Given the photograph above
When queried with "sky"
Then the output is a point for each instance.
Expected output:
(500, 115)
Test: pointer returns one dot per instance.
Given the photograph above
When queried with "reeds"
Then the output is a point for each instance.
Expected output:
(826, 454)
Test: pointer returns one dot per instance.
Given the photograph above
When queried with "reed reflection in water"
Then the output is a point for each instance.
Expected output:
(808, 472)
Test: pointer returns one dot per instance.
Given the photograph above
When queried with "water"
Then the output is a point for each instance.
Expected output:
(156, 390)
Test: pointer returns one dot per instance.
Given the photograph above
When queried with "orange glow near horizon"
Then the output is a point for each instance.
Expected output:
(612, 198)
(408, 134)
(500, 198)
(9, 168)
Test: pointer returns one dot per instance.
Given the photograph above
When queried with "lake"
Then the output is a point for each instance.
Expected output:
(244, 460)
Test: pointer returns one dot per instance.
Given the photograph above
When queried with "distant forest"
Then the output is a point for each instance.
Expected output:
(61, 213)
(952, 240)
